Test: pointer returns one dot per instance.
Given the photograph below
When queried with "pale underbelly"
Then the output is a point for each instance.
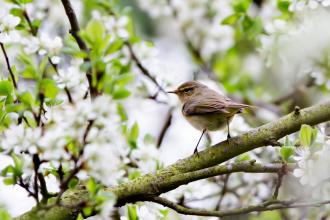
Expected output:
(208, 122)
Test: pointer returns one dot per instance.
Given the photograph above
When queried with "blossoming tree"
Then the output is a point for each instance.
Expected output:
(88, 130)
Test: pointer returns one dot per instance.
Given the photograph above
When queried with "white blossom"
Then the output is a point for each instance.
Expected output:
(20, 139)
(205, 32)
(116, 26)
(69, 77)
(313, 167)
(44, 45)
(300, 5)
(8, 23)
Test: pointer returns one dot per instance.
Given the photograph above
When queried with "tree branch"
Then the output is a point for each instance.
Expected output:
(144, 70)
(207, 163)
(11, 73)
(74, 24)
(82, 45)
(265, 206)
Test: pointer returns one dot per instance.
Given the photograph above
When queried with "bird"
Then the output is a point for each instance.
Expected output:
(205, 109)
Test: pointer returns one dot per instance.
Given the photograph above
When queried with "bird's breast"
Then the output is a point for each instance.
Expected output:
(210, 122)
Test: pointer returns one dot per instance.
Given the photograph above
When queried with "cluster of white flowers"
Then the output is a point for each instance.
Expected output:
(8, 23)
(44, 45)
(283, 51)
(313, 166)
(67, 124)
(300, 5)
(20, 139)
(199, 20)
(116, 26)
(69, 77)
(73, 79)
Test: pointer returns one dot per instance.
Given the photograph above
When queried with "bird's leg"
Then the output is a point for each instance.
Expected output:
(228, 134)
(196, 151)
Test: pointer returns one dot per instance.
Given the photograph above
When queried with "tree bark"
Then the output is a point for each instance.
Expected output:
(169, 178)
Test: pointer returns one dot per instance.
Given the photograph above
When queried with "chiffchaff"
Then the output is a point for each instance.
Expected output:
(205, 109)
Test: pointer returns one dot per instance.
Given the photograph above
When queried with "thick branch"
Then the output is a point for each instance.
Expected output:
(190, 169)
(219, 153)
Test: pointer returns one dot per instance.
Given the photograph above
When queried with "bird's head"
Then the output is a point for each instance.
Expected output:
(188, 90)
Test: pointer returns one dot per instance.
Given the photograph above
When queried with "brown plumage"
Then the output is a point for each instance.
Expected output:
(205, 109)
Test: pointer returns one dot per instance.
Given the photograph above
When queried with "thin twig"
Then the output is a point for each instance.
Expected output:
(144, 70)
(33, 30)
(265, 206)
(42, 99)
(165, 127)
(217, 170)
(196, 52)
(26, 187)
(223, 191)
(88, 128)
(82, 45)
(65, 183)
(8, 65)
(74, 24)
(280, 175)
(36, 165)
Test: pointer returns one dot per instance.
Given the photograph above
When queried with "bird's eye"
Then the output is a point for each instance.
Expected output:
(187, 90)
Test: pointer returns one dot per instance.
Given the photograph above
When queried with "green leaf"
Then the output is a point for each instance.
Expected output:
(241, 5)
(132, 215)
(114, 47)
(124, 79)
(25, 1)
(91, 186)
(134, 133)
(6, 88)
(18, 165)
(8, 169)
(94, 35)
(73, 182)
(283, 5)
(307, 135)
(232, 19)
(87, 211)
(122, 113)
(286, 152)
(80, 217)
(121, 93)
(16, 12)
(53, 102)
(164, 213)
(133, 175)
(9, 181)
(4, 215)
(26, 98)
(48, 88)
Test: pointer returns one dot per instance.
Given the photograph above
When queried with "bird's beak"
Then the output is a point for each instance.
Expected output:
(172, 91)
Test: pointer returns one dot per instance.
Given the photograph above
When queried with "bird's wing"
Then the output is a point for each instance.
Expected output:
(204, 106)
(212, 104)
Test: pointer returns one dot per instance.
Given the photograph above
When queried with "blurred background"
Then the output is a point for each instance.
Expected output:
(272, 54)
